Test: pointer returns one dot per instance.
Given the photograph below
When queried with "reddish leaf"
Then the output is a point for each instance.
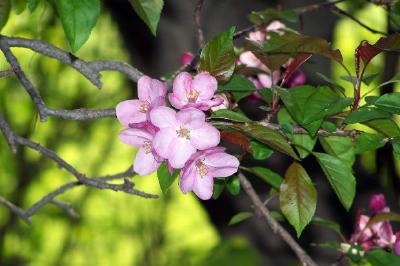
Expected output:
(237, 139)
(294, 65)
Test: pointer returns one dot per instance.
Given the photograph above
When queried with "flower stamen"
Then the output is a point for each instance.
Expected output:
(192, 95)
(147, 146)
(201, 168)
(144, 107)
(183, 133)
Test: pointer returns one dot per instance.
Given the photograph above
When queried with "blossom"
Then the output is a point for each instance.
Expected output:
(396, 246)
(186, 58)
(151, 94)
(377, 203)
(194, 92)
(147, 160)
(181, 134)
(224, 102)
(201, 169)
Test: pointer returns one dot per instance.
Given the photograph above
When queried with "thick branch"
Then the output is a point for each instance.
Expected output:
(305, 259)
(197, 21)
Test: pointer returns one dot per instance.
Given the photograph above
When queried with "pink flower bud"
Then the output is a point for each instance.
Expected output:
(224, 102)
(377, 203)
(186, 58)
(396, 246)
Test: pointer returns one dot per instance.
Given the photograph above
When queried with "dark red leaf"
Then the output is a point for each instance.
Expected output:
(294, 65)
(236, 138)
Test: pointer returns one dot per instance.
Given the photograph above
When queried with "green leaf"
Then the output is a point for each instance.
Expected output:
(367, 142)
(386, 127)
(332, 83)
(240, 217)
(260, 151)
(396, 148)
(367, 79)
(328, 126)
(327, 223)
(218, 56)
(379, 257)
(237, 83)
(266, 94)
(5, 7)
(340, 177)
(304, 144)
(269, 176)
(233, 185)
(340, 147)
(32, 5)
(270, 137)
(271, 14)
(364, 114)
(389, 102)
(229, 115)
(149, 11)
(297, 197)
(78, 18)
(238, 95)
(165, 179)
(18, 6)
(219, 185)
(371, 99)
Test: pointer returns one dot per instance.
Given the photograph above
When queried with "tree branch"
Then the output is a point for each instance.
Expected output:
(197, 21)
(301, 254)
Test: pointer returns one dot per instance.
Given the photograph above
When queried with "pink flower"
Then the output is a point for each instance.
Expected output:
(186, 58)
(224, 104)
(151, 94)
(377, 203)
(396, 246)
(182, 134)
(147, 160)
(194, 92)
(201, 169)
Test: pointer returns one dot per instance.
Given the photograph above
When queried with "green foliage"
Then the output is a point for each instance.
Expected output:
(297, 197)
(219, 185)
(239, 86)
(389, 102)
(365, 114)
(32, 5)
(328, 224)
(396, 148)
(229, 115)
(149, 11)
(5, 7)
(386, 127)
(269, 176)
(165, 179)
(240, 217)
(367, 141)
(233, 185)
(270, 14)
(260, 151)
(218, 56)
(18, 6)
(78, 18)
(379, 257)
(340, 147)
(340, 177)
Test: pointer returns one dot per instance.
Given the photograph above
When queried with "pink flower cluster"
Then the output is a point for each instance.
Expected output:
(378, 235)
(183, 138)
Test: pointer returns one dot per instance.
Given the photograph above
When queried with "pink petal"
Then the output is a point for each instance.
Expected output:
(205, 84)
(150, 89)
(159, 89)
(191, 117)
(145, 163)
(128, 112)
(163, 140)
(186, 58)
(205, 137)
(180, 151)
(156, 102)
(249, 59)
(182, 85)
(206, 105)
(178, 103)
(187, 179)
(221, 164)
(134, 136)
(377, 203)
(265, 80)
(163, 117)
(396, 246)
(203, 187)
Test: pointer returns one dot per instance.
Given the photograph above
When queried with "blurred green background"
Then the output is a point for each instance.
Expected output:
(113, 228)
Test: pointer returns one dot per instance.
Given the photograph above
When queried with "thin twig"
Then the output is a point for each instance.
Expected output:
(197, 22)
(301, 254)
(15, 209)
(66, 207)
(6, 73)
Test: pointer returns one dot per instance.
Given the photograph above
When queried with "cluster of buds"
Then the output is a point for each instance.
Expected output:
(375, 235)
(179, 136)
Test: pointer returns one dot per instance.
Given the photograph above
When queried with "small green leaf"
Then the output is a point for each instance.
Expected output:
(332, 83)
(165, 179)
(304, 144)
(270, 137)
(379, 257)
(219, 185)
(229, 115)
(78, 18)
(298, 197)
(266, 94)
(364, 114)
(240, 217)
(269, 176)
(340, 177)
(367, 142)
(5, 7)
(149, 11)
(327, 223)
(389, 102)
(340, 147)
(260, 151)
(371, 99)
(237, 83)
(386, 127)
(396, 148)
(32, 5)
(328, 126)
(18, 6)
(218, 56)
(233, 185)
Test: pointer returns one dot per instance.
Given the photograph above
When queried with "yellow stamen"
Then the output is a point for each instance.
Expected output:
(144, 107)
(183, 133)
(192, 95)
(201, 167)
(147, 147)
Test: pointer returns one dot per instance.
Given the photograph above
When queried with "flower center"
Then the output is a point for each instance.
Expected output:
(201, 167)
(183, 133)
(144, 107)
(147, 146)
(192, 95)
